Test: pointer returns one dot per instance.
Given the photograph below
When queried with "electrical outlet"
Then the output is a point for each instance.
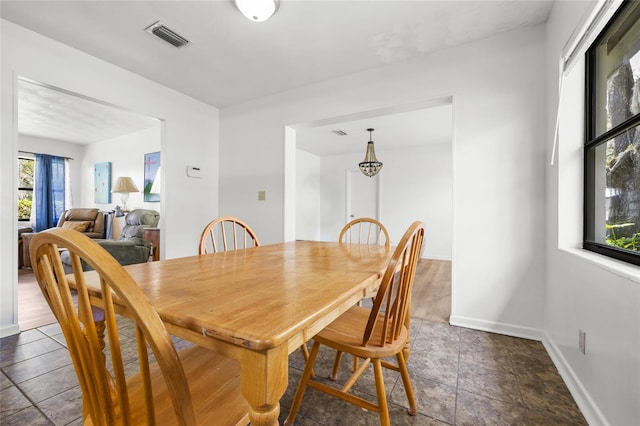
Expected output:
(262, 195)
(582, 341)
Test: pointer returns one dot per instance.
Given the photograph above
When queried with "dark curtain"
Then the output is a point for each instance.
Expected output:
(49, 191)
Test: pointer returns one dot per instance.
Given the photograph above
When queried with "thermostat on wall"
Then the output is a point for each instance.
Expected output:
(193, 171)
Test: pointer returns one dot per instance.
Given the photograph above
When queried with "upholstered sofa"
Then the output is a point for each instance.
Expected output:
(131, 247)
(22, 230)
(88, 221)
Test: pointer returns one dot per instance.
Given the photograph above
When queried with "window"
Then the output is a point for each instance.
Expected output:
(25, 187)
(612, 146)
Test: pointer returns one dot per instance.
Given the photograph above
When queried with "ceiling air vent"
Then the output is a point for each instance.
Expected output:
(163, 32)
(339, 132)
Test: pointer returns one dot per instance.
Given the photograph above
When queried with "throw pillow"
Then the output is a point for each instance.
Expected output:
(76, 226)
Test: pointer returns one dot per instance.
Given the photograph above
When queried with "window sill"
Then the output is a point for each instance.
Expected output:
(617, 267)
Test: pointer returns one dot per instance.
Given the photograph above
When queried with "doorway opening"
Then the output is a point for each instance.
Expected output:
(85, 131)
(362, 195)
(415, 143)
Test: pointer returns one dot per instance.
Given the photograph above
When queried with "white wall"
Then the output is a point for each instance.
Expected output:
(498, 164)
(308, 196)
(585, 291)
(418, 185)
(415, 184)
(189, 137)
(126, 154)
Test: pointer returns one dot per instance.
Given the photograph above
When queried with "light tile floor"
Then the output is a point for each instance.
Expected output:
(460, 377)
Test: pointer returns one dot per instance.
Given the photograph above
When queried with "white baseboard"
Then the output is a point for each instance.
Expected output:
(435, 257)
(10, 330)
(589, 409)
(496, 327)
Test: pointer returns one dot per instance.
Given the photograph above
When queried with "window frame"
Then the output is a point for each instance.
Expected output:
(21, 188)
(592, 142)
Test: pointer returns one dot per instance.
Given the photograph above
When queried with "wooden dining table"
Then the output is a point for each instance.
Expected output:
(260, 304)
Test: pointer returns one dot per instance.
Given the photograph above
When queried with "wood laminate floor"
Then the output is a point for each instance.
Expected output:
(33, 310)
(431, 295)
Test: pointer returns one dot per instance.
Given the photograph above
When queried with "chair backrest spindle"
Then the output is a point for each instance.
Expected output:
(395, 288)
(224, 232)
(105, 393)
(363, 228)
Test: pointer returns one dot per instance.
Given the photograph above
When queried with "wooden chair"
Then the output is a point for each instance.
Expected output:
(364, 230)
(367, 231)
(373, 334)
(189, 387)
(226, 233)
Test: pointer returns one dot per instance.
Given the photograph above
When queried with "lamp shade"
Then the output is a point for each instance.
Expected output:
(124, 184)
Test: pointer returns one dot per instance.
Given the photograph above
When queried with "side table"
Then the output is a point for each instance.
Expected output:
(117, 223)
(152, 235)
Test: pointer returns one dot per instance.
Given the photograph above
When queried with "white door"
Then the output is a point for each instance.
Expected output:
(363, 195)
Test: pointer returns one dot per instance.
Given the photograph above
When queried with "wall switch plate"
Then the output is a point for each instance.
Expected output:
(262, 195)
(582, 341)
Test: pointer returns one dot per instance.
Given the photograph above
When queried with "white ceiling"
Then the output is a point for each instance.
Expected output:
(51, 113)
(231, 59)
(433, 125)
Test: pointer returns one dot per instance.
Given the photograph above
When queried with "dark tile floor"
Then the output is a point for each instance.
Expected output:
(460, 377)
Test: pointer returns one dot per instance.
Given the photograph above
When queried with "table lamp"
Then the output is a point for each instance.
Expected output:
(124, 185)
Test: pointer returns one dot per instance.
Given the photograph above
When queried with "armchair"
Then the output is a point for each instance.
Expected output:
(88, 221)
(131, 247)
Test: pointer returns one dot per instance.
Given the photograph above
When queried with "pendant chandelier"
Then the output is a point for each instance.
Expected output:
(370, 166)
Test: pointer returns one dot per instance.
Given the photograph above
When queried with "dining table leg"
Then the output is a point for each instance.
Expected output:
(264, 379)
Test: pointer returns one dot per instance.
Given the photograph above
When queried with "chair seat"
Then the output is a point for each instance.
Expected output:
(214, 383)
(345, 335)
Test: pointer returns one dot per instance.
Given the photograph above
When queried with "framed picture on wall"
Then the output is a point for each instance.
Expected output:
(102, 183)
(152, 183)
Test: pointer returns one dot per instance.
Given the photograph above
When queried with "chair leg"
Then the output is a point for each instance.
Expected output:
(382, 395)
(305, 355)
(336, 366)
(302, 386)
(406, 381)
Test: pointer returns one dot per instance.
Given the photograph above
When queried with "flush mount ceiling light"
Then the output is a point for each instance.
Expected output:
(258, 10)
(370, 166)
